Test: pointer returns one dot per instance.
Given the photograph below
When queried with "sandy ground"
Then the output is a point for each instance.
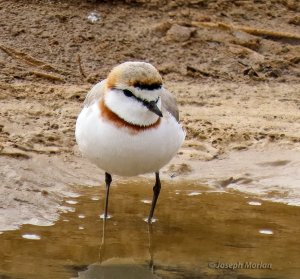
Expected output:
(238, 94)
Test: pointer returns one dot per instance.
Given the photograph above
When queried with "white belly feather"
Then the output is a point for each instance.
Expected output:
(117, 151)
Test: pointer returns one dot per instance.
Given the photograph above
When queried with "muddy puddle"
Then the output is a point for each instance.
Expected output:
(199, 233)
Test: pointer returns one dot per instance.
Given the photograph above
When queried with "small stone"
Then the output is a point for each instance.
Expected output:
(246, 40)
(161, 28)
(295, 20)
(185, 13)
(168, 68)
(179, 33)
(93, 17)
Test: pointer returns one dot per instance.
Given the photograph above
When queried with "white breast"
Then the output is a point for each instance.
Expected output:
(117, 151)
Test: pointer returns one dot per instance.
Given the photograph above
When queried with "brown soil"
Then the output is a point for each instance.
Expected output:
(235, 90)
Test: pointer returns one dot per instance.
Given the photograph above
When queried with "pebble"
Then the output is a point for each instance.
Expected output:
(179, 33)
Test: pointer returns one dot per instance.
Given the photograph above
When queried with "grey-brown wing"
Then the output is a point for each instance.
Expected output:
(94, 94)
(169, 103)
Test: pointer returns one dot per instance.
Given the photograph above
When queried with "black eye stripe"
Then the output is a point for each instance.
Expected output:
(152, 86)
(129, 94)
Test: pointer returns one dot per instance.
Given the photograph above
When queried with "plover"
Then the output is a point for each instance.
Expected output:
(129, 125)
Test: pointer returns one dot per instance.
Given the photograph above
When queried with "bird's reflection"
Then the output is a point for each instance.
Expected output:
(151, 252)
(102, 244)
(124, 268)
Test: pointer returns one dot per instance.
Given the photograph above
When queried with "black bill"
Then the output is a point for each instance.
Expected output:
(152, 106)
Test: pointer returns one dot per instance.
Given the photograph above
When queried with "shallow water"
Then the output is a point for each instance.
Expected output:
(198, 234)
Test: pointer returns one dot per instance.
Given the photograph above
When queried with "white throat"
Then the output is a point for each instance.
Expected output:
(129, 109)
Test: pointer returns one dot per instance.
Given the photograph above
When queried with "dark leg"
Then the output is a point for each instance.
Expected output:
(156, 190)
(108, 180)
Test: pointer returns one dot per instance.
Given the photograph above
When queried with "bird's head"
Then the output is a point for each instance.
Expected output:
(133, 93)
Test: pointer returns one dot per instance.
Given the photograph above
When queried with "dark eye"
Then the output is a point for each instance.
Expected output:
(127, 93)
